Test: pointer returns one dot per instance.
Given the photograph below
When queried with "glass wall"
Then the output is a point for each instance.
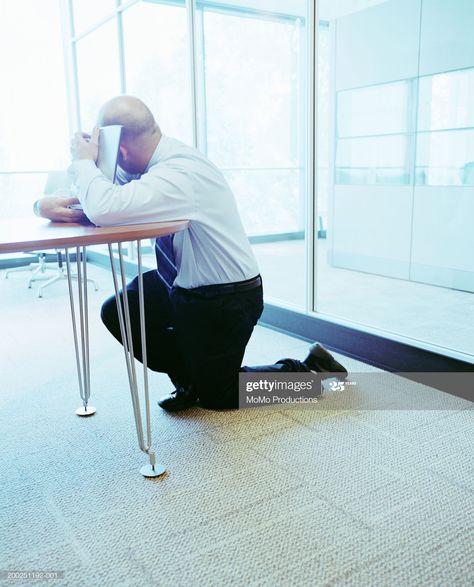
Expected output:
(396, 257)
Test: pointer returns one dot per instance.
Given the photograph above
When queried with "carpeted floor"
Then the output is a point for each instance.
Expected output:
(352, 493)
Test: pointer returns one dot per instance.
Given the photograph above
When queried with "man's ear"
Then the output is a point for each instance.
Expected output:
(124, 152)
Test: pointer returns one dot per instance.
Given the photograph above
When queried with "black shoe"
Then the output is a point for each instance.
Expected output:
(181, 398)
(321, 360)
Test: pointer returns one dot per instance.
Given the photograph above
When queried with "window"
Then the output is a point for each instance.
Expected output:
(98, 71)
(34, 122)
(253, 70)
(254, 96)
(88, 12)
(157, 64)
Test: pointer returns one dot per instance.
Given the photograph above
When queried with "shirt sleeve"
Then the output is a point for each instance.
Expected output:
(160, 194)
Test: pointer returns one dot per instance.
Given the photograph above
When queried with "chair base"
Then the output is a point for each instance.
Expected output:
(40, 269)
(60, 274)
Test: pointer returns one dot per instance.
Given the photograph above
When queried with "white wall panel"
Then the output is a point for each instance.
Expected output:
(447, 37)
(371, 228)
(378, 45)
(443, 238)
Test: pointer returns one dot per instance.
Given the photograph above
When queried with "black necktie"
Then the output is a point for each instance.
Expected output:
(165, 259)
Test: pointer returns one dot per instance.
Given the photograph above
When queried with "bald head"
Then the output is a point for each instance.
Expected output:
(140, 132)
(135, 117)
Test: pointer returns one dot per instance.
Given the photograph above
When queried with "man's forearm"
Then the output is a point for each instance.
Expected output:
(58, 209)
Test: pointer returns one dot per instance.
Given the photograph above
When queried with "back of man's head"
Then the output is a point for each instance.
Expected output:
(135, 117)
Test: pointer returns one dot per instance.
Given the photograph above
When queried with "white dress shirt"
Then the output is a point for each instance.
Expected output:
(178, 184)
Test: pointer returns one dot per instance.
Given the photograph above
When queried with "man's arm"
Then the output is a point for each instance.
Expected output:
(56, 208)
(159, 195)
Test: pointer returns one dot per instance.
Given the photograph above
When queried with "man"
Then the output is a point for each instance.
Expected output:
(202, 303)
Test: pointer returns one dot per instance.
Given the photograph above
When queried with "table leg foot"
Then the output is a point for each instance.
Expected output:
(85, 411)
(152, 470)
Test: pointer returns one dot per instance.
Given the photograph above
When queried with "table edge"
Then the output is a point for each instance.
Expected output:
(128, 235)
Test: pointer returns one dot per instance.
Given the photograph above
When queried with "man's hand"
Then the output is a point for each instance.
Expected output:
(85, 146)
(56, 208)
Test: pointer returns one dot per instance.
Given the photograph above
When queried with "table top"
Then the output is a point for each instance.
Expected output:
(32, 234)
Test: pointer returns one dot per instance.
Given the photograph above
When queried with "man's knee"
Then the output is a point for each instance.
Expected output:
(108, 314)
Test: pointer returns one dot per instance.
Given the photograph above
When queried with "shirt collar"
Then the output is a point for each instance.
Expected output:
(157, 155)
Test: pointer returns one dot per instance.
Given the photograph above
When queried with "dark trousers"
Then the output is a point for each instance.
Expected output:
(196, 339)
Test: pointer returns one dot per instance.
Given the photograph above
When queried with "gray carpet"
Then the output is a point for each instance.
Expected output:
(352, 493)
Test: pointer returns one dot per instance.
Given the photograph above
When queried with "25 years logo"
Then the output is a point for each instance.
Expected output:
(337, 385)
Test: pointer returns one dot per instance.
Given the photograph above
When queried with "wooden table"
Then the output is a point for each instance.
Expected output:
(34, 234)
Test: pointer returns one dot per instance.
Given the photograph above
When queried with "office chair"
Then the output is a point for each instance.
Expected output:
(40, 268)
(58, 183)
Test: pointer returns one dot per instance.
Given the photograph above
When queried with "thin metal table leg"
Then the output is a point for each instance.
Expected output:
(123, 311)
(82, 356)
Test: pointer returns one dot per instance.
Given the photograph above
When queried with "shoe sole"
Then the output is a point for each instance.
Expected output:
(316, 349)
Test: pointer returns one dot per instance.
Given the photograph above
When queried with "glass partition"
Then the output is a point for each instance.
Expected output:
(395, 255)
